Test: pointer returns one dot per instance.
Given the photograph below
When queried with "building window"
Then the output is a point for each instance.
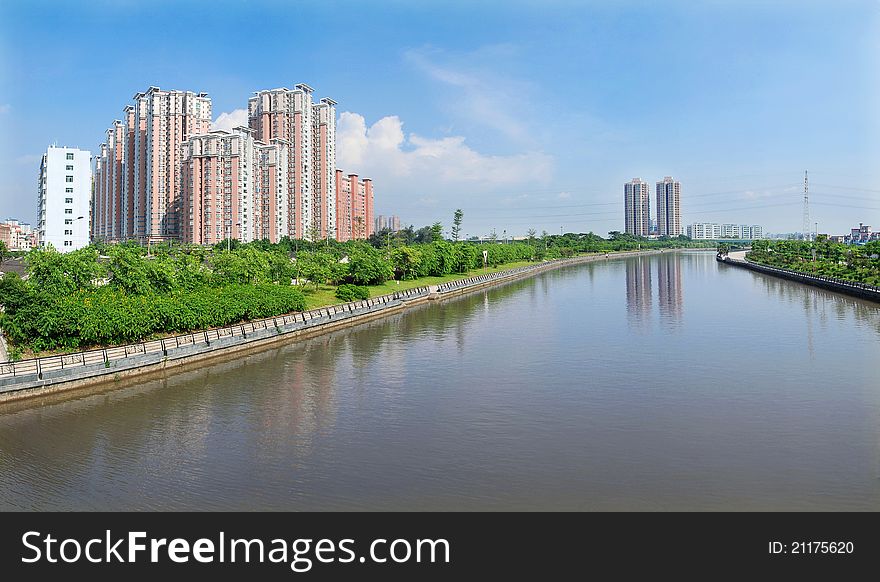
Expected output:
(68, 200)
(68, 190)
(68, 179)
(69, 156)
(68, 232)
(68, 243)
(68, 211)
(69, 168)
(68, 221)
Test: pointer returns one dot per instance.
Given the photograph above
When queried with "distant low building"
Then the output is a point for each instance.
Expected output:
(717, 231)
(861, 235)
(18, 236)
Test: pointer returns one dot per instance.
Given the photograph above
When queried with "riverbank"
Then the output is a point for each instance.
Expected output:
(860, 290)
(39, 376)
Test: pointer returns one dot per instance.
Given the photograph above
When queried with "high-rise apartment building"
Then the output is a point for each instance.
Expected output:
(310, 131)
(63, 197)
(354, 207)
(138, 181)
(325, 168)
(637, 207)
(233, 187)
(668, 207)
(162, 174)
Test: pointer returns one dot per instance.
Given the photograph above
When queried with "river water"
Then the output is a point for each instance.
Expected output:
(662, 382)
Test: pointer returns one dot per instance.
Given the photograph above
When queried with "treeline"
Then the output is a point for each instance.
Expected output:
(80, 299)
(116, 293)
(822, 257)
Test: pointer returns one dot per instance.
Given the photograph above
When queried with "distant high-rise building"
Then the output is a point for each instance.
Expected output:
(63, 197)
(668, 207)
(354, 207)
(637, 207)
(392, 223)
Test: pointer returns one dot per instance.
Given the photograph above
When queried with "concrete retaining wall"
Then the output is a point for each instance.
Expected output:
(40, 376)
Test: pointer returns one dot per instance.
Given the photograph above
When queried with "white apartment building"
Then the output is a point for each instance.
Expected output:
(63, 197)
(715, 231)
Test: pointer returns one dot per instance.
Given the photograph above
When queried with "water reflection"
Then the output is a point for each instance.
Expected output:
(639, 289)
(669, 287)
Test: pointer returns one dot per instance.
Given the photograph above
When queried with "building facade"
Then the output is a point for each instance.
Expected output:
(668, 207)
(138, 174)
(162, 174)
(716, 231)
(354, 207)
(233, 187)
(309, 130)
(17, 236)
(637, 207)
(63, 198)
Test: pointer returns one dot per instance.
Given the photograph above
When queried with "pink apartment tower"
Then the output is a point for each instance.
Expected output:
(309, 130)
(138, 181)
(354, 207)
(163, 174)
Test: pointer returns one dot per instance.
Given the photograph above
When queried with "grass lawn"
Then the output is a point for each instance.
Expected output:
(326, 294)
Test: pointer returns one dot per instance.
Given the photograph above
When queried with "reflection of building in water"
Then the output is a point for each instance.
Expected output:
(638, 288)
(669, 286)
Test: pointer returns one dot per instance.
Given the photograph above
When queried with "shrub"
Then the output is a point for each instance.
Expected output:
(349, 292)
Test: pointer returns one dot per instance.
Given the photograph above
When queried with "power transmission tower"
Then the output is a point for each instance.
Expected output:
(806, 229)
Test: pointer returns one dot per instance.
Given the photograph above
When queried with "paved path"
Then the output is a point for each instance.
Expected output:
(737, 255)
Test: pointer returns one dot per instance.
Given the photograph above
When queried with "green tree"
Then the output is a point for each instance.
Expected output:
(367, 266)
(406, 262)
(436, 232)
(456, 224)
(4, 252)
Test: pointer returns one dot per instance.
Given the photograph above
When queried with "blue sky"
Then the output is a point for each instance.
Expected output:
(524, 114)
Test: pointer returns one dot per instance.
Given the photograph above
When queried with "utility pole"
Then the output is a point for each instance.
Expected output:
(806, 229)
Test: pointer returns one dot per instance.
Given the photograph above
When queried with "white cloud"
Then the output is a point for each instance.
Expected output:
(384, 153)
(564, 195)
(227, 121)
(481, 95)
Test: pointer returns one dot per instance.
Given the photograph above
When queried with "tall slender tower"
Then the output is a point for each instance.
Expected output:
(669, 207)
(636, 207)
(806, 229)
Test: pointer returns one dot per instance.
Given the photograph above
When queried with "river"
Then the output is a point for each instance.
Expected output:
(663, 382)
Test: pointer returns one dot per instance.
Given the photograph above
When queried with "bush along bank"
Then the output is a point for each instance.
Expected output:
(111, 294)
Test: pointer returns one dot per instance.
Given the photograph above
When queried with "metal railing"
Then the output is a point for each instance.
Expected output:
(38, 366)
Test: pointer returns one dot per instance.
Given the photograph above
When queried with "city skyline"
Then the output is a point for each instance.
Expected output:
(440, 118)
